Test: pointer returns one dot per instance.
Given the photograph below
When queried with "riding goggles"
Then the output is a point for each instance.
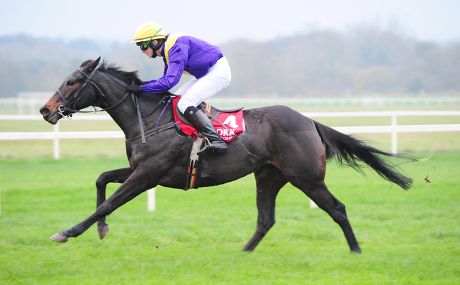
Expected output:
(144, 45)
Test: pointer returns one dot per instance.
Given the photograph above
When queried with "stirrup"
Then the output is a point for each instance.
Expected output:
(206, 145)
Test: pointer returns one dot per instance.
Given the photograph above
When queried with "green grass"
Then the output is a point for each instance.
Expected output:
(195, 237)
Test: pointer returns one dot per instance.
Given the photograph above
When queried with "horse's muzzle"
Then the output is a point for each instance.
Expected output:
(44, 111)
(48, 116)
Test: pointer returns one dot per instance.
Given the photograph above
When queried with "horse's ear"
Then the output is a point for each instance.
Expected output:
(96, 63)
(91, 65)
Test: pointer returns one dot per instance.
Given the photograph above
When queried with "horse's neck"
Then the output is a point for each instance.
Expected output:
(127, 117)
(124, 110)
(124, 116)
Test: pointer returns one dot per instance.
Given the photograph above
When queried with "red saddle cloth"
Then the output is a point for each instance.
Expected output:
(227, 125)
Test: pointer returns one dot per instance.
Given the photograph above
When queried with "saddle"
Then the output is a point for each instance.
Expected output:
(228, 123)
(209, 110)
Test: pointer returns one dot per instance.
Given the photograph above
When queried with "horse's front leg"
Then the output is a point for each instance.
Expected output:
(138, 182)
(117, 176)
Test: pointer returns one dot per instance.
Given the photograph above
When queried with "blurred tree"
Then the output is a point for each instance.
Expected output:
(363, 60)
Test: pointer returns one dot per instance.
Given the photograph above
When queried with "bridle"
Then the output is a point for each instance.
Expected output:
(69, 105)
(63, 108)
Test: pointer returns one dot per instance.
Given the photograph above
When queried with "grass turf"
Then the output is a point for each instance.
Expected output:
(195, 237)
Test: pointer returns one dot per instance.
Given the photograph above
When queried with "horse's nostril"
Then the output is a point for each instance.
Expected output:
(44, 111)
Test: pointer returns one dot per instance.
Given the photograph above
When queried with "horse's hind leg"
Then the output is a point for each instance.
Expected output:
(319, 193)
(117, 176)
(269, 181)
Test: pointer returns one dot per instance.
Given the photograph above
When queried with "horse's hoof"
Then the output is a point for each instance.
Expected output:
(356, 250)
(102, 230)
(59, 237)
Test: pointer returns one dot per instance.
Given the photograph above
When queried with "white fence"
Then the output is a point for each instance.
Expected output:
(394, 129)
(30, 102)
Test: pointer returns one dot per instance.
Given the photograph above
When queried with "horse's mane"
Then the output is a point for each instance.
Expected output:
(112, 69)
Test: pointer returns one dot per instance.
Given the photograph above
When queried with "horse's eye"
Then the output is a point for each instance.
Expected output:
(70, 83)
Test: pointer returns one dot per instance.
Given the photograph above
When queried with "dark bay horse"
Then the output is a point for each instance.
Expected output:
(279, 146)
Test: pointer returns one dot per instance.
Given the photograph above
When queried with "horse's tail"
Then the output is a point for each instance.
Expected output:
(349, 151)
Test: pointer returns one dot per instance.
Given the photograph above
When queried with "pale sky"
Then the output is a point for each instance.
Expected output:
(220, 21)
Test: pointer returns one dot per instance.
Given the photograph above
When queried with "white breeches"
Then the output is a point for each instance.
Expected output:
(195, 91)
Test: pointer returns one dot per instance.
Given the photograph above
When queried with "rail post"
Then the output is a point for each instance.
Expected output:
(151, 200)
(56, 143)
(394, 134)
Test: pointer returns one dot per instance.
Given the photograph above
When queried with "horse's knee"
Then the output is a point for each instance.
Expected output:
(101, 181)
(339, 217)
(339, 206)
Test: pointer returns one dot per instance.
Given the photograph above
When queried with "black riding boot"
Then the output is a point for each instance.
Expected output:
(200, 121)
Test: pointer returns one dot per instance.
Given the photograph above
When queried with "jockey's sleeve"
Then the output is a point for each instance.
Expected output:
(177, 61)
(165, 69)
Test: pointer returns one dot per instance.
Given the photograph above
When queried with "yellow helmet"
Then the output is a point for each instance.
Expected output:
(149, 31)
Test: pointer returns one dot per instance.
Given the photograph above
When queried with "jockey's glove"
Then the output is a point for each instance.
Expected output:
(134, 88)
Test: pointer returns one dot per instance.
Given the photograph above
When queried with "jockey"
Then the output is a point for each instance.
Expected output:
(188, 54)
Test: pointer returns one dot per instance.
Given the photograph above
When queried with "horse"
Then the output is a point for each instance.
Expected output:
(279, 145)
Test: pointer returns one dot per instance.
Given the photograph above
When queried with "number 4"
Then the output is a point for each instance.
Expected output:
(231, 121)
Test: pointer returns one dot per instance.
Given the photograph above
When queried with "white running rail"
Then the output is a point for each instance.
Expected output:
(392, 129)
